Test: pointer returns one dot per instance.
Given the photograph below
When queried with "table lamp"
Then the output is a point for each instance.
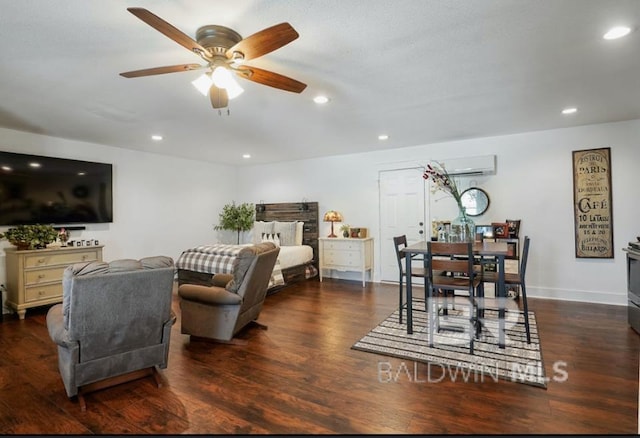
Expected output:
(332, 216)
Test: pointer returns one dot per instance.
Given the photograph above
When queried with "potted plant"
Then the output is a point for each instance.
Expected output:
(236, 217)
(30, 236)
(345, 230)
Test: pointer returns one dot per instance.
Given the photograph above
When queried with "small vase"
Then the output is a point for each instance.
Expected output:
(463, 229)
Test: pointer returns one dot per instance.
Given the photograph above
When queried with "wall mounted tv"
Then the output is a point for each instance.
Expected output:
(46, 190)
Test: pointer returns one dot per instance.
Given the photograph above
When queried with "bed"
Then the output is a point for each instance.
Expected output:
(295, 262)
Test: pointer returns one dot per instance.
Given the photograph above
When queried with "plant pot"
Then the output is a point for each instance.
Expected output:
(22, 246)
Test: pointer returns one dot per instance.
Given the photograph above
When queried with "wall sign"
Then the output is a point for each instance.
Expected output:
(592, 203)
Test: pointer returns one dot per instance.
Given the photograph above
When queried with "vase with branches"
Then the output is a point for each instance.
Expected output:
(462, 227)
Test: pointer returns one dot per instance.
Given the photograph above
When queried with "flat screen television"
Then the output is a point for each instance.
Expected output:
(45, 190)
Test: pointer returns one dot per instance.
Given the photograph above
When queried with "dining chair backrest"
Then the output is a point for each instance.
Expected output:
(400, 242)
(451, 257)
(525, 256)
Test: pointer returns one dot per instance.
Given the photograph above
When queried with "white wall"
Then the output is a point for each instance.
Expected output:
(162, 205)
(533, 183)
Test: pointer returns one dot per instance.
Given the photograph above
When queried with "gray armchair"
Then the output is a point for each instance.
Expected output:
(218, 312)
(114, 323)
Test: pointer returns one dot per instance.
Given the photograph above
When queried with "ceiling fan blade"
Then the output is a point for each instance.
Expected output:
(169, 30)
(218, 96)
(265, 41)
(161, 70)
(271, 79)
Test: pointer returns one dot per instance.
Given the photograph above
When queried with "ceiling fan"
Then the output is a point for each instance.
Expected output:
(224, 51)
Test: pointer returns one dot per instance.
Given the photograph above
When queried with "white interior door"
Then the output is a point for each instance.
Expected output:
(402, 211)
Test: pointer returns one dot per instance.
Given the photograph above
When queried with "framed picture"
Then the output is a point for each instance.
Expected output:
(500, 229)
(593, 210)
(485, 230)
(514, 227)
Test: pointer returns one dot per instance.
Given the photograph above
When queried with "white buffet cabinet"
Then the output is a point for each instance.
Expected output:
(346, 254)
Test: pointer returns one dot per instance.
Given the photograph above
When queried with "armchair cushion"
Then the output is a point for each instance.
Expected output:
(221, 280)
(208, 295)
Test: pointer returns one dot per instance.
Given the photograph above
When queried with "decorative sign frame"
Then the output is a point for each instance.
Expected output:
(593, 211)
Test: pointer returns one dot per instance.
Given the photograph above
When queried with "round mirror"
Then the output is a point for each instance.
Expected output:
(475, 201)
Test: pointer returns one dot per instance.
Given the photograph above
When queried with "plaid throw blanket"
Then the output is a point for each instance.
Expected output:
(218, 259)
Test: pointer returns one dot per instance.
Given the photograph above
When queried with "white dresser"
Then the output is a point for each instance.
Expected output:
(34, 277)
(346, 254)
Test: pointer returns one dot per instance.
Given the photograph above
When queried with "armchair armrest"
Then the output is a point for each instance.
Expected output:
(55, 325)
(212, 295)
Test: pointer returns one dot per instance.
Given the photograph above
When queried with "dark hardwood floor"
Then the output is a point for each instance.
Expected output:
(301, 376)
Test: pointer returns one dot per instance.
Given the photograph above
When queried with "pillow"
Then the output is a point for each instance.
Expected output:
(287, 231)
(260, 227)
(299, 232)
(271, 237)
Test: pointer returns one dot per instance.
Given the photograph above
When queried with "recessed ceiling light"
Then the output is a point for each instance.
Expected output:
(6, 168)
(34, 164)
(246, 155)
(82, 173)
(156, 137)
(383, 137)
(617, 32)
(321, 99)
(570, 110)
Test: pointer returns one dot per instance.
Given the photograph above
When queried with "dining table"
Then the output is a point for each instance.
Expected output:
(499, 250)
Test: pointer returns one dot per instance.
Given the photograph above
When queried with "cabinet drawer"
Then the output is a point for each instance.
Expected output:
(39, 276)
(37, 260)
(342, 245)
(37, 293)
(343, 258)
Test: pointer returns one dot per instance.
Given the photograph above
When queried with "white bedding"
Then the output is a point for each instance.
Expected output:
(294, 255)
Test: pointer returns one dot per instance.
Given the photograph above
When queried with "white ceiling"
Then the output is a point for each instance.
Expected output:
(422, 71)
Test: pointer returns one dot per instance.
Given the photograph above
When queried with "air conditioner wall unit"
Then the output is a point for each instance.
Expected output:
(470, 166)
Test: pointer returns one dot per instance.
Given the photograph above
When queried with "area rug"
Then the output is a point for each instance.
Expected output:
(517, 362)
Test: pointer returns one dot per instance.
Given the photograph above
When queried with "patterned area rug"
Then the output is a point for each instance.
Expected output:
(517, 362)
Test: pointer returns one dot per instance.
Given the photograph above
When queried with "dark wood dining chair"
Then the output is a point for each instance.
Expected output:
(516, 279)
(400, 242)
(450, 266)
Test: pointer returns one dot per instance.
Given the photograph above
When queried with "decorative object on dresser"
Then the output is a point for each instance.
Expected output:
(332, 216)
(346, 229)
(30, 236)
(350, 254)
(34, 277)
(359, 232)
(115, 323)
(300, 261)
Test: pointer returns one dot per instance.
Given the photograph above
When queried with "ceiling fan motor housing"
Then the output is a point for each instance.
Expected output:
(217, 39)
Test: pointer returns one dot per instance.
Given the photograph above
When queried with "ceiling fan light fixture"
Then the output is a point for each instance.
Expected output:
(203, 83)
(222, 78)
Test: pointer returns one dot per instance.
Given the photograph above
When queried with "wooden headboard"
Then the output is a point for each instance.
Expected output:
(294, 211)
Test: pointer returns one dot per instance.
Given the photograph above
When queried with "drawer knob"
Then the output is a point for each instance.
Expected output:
(41, 292)
(41, 260)
(84, 257)
(41, 275)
